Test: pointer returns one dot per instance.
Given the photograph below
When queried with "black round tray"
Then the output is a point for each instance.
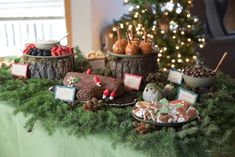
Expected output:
(163, 124)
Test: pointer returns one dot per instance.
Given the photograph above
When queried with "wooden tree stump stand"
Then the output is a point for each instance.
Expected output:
(51, 68)
(133, 64)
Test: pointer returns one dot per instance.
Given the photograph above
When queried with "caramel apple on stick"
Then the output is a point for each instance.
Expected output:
(120, 44)
(146, 46)
(133, 39)
(131, 49)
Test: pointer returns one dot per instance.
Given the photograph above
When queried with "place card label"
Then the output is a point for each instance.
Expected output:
(19, 70)
(186, 95)
(132, 81)
(65, 93)
(175, 76)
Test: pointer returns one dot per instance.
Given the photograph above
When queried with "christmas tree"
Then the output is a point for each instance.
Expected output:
(173, 30)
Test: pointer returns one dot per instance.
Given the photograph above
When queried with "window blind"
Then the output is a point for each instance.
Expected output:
(31, 8)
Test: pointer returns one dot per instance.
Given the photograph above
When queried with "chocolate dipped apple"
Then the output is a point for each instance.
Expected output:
(145, 45)
(120, 44)
(131, 49)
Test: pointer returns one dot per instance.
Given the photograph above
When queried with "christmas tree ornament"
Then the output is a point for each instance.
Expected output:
(152, 93)
(163, 23)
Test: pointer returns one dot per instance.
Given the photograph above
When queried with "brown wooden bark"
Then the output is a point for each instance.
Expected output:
(139, 65)
(51, 68)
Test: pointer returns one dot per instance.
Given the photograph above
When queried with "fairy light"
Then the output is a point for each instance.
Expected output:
(151, 36)
(143, 11)
(189, 2)
(182, 32)
(187, 60)
(158, 60)
(164, 69)
(194, 57)
(189, 39)
(162, 31)
(130, 27)
(203, 39)
(159, 55)
(199, 39)
(161, 51)
(172, 65)
(168, 57)
(195, 20)
(136, 15)
(189, 26)
(177, 47)
(180, 60)
(166, 13)
(131, 8)
(182, 43)
(188, 15)
(110, 35)
(173, 60)
(164, 48)
(127, 23)
(201, 45)
(114, 29)
(137, 6)
(174, 31)
(121, 25)
(126, 1)
(173, 37)
(179, 55)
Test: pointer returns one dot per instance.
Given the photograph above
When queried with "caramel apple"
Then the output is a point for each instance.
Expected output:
(146, 46)
(133, 39)
(120, 44)
(131, 49)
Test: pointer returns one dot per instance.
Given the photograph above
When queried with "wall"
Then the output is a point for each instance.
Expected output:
(90, 17)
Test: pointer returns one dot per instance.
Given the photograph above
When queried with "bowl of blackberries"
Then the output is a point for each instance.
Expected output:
(39, 52)
(198, 76)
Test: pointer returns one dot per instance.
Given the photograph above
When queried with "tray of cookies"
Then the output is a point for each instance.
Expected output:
(164, 112)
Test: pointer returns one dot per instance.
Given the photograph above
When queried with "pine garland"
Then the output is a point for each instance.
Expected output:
(211, 134)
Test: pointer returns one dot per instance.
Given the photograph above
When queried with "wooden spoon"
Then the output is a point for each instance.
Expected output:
(221, 61)
(64, 36)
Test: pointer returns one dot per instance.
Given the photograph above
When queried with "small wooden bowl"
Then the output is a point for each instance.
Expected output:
(198, 82)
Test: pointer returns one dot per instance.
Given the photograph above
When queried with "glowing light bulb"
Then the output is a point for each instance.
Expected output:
(173, 60)
(172, 65)
(159, 55)
(194, 57)
(114, 29)
(131, 8)
(121, 25)
(201, 45)
(179, 55)
(137, 6)
(189, 39)
(173, 37)
(166, 13)
(177, 47)
(180, 60)
(161, 51)
(182, 32)
(195, 19)
(188, 15)
(168, 57)
(126, 1)
(164, 69)
(130, 27)
(110, 35)
(189, 26)
(162, 31)
(174, 31)
(203, 39)
(187, 60)
(158, 60)
(164, 48)
(199, 39)
(189, 2)
(182, 43)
